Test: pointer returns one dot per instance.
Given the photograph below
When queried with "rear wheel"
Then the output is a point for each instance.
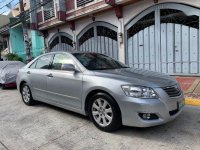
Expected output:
(104, 112)
(3, 86)
(26, 95)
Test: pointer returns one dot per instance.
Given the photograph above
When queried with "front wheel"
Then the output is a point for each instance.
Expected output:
(26, 95)
(104, 112)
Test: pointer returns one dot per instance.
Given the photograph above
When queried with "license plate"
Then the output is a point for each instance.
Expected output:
(180, 104)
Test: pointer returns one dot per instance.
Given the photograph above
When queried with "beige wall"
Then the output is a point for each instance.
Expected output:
(3, 20)
(16, 10)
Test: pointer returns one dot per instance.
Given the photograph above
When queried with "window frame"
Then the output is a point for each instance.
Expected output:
(34, 63)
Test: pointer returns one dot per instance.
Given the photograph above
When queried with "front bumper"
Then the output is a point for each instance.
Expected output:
(165, 108)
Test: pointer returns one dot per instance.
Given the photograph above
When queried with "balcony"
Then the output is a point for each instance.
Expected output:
(59, 11)
(79, 4)
(50, 14)
(4, 29)
(78, 8)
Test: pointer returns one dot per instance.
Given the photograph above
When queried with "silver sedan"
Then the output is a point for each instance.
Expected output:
(109, 92)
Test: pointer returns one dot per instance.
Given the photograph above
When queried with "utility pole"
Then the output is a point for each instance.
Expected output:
(25, 31)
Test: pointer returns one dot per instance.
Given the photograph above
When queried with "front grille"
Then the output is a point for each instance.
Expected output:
(173, 91)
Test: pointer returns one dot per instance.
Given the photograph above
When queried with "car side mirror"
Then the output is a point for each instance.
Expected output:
(68, 67)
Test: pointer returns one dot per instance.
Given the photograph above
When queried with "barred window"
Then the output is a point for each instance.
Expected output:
(49, 10)
(82, 2)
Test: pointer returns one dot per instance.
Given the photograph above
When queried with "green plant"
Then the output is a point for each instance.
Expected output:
(13, 57)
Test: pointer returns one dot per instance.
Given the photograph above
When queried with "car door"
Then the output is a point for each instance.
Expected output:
(38, 74)
(64, 87)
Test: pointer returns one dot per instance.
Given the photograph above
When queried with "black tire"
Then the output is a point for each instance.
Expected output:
(116, 120)
(28, 100)
(3, 87)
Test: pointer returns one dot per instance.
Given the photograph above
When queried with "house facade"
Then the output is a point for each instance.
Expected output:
(12, 32)
(157, 35)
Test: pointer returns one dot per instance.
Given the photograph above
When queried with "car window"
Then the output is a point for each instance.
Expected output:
(43, 62)
(61, 59)
(33, 65)
(94, 61)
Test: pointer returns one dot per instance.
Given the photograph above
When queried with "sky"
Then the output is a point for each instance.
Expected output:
(5, 10)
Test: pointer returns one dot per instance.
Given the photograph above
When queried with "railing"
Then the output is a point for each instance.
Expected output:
(49, 11)
(4, 28)
(82, 2)
(55, 10)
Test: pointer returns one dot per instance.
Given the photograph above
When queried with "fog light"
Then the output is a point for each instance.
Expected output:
(148, 116)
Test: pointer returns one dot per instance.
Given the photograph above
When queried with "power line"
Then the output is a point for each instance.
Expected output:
(37, 5)
(6, 4)
(2, 13)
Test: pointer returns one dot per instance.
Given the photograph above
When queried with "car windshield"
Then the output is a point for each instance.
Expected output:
(94, 61)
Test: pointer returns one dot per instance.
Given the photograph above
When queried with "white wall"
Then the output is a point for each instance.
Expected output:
(64, 28)
(108, 16)
(129, 12)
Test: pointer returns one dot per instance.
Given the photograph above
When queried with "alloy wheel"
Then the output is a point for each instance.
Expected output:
(26, 94)
(102, 112)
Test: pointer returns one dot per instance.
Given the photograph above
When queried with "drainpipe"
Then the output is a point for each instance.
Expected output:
(73, 27)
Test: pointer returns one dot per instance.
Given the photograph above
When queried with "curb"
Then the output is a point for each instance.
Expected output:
(192, 101)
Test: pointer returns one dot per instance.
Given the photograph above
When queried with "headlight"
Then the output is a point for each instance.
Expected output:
(139, 92)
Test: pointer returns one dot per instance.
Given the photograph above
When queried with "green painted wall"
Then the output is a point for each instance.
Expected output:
(37, 44)
(17, 42)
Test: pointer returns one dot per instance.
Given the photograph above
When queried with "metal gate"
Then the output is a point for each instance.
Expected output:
(165, 38)
(99, 37)
(61, 42)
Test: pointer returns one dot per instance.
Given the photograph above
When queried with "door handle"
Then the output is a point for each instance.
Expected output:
(50, 75)
(28, 72)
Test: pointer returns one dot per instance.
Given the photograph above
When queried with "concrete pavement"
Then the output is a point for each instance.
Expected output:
(44, 127)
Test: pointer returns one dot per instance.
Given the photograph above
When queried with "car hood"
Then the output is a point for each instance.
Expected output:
(138, 77)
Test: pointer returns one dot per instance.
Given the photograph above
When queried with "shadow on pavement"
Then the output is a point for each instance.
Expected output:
(61, 110)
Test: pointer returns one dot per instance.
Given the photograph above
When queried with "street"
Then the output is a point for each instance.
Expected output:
(46, 127)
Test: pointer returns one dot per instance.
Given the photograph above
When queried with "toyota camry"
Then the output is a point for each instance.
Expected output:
(109, 92)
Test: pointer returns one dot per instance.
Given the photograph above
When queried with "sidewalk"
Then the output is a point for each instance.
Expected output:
(191, 88)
